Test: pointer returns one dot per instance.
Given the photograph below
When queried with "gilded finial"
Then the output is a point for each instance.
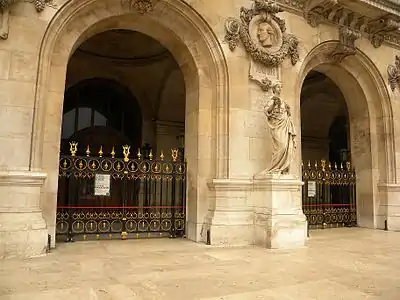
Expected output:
(316, 165)
(335, 165)
(162, 155)
(139, 155)
(323, 164)
(87, 151)
(73, 148)
(126, 152)
(174, 154)
(348, 166)
(113, 152)
(329, 166)
(101, 151)
(309, 164)
(151, 155)
(341, 165)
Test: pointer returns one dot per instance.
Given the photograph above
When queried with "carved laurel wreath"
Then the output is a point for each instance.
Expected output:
(239, 29)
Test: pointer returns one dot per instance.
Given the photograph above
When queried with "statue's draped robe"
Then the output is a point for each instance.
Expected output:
(282, 134)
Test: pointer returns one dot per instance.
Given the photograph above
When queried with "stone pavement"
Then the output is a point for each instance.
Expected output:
(337, 264)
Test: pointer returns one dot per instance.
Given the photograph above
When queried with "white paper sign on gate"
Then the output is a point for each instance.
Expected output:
(102, 185)
(312, 188)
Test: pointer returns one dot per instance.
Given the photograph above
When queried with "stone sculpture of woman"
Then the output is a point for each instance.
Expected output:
(282, 132)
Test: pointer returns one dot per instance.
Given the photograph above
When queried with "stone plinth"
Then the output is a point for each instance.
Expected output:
(230, 217)
(278, 218)
(23, 231)
(391, 207)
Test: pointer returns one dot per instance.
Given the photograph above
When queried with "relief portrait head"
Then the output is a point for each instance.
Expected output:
(266, 34)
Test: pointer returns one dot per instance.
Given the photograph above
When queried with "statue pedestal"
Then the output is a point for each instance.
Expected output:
(279, 220)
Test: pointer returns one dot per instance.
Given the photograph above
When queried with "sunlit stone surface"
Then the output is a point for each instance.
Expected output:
(338, 264)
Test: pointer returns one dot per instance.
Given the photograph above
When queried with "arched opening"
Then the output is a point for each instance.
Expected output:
(356, 83)
(329, 198)
(181, 30)
(118, 178)
(100, 113)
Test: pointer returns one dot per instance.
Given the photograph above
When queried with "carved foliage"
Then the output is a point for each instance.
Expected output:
(377, 29)
(315, 10)
(273, 43)
(394, 74)
(142, 6)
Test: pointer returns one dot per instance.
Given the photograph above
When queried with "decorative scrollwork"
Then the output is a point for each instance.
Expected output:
(346, 46)
(232, 27)
(263, 34)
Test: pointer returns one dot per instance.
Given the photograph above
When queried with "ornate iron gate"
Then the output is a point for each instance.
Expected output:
(329, 195)
(109, 197)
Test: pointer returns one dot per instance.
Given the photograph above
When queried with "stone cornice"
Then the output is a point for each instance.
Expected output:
(22, 178)
(230, 184)
(382, 27)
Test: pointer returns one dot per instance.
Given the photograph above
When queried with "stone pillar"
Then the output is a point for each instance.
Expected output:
(279, 220)
(23, 231)
(230, 216)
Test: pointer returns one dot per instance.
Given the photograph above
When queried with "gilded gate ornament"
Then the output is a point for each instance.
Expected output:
(394, 74)
(263, 34)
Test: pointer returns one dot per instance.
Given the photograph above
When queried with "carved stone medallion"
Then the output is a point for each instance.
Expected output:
(263, 34)
(394, 74)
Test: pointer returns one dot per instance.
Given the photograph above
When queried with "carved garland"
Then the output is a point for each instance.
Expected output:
(394, 74)
(240, 29)
(142, 6)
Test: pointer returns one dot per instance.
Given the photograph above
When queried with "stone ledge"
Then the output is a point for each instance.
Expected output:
(389, 187)
(22, 178)
(230, 184)
(276, 182)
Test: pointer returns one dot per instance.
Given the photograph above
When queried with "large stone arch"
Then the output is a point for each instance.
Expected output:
(371, 125)
(187, 36)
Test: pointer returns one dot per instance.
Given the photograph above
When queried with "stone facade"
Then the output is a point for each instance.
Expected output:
(216, 84)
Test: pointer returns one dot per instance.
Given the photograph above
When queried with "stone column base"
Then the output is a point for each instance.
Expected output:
(279, 219)
(23, 231)
(389, 210)
(230, 218)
